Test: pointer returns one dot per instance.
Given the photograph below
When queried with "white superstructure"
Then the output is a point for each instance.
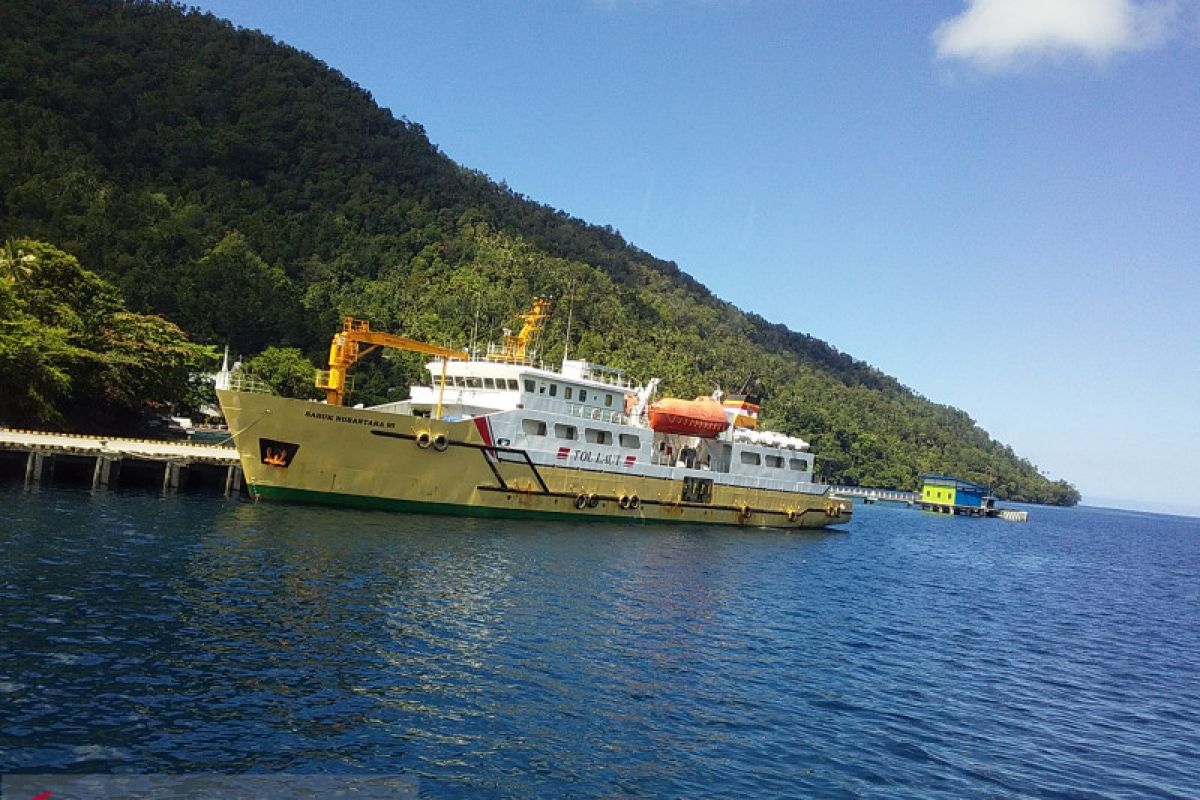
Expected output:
(593, 417)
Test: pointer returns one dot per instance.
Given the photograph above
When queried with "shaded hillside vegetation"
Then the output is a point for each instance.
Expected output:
(252, 196)
(70, 352)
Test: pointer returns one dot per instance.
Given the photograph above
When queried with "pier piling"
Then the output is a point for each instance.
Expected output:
(171, 474)
(103, 474)
(233, 479)
(39, 468)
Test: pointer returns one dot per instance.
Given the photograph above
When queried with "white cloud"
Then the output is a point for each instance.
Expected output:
(1000, 34)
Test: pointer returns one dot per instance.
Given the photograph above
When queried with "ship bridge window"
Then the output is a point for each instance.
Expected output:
(608, 399)
(512, 384)
(474, 383)
(775, 462)
(554, 390)
(596, 436)
(583, 395)
(798, 464)
(488, 383)
(529, 385)
(630, 441)
(533, 427)
(565, 431)
(752, 459)
(567, 392)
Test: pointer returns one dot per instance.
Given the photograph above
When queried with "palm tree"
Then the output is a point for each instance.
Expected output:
(15, 263)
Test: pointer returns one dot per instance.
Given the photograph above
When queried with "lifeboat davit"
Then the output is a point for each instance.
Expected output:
(703, 417)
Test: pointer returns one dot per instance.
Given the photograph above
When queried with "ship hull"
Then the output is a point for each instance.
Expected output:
(303, 452)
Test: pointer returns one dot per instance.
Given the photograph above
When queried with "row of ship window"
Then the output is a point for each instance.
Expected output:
(510, 384)
(569, 392)
(630, 441)
(774, 462)
(537, 427)
(460, 382)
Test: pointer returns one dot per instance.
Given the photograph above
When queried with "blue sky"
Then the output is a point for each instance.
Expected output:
(1017, 180)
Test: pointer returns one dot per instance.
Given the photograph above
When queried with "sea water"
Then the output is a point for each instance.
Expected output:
(910, 655)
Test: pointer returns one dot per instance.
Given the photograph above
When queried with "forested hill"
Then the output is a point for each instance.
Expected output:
(253, 196)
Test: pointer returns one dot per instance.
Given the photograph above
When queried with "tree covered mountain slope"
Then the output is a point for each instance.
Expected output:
(253, 196)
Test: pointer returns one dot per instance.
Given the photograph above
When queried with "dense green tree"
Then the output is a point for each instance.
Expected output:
(71, 354)
(35, 364)
(256, 299)
(253, 196)
(286, 370)
(147, 360)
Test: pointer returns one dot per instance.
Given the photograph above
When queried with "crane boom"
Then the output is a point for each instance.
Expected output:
(345, 349)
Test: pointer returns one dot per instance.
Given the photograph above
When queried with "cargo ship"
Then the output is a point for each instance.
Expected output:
(498, 434)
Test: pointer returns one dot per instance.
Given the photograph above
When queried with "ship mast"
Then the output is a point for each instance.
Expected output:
(570, 317)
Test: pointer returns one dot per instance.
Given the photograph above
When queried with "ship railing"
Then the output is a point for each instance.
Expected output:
(610, 376)
(597, 414)
(241, 382)
(498, 353)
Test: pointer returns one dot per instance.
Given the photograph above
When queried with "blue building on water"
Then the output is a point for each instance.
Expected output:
(950, 495)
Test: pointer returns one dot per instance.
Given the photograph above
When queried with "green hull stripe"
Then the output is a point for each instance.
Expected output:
(308, 497)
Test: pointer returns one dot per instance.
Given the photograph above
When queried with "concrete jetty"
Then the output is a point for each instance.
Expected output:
(872, 495)
(868, 494)
(40, 455)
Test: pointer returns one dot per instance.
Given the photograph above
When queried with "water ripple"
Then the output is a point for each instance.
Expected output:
(913, 656)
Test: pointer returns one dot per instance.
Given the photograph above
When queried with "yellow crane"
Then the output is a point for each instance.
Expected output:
(346, 348)
(516, 345)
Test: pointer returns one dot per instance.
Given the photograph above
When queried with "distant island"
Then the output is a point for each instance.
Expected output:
(171, 180)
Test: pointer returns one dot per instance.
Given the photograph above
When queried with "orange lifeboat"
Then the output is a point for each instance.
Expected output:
(702, 417)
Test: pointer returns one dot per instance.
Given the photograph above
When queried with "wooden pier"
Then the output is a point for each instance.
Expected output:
(41, 456)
